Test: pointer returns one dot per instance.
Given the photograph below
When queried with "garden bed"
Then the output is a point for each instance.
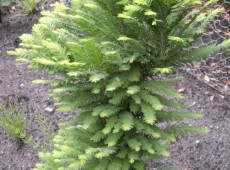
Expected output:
(208, 152)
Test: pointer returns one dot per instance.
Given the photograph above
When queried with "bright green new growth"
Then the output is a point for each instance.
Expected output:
(107, 52)
(28, 6)
(13, 121)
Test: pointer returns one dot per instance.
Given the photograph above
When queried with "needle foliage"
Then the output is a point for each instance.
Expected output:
(13, 121)
(109, 53)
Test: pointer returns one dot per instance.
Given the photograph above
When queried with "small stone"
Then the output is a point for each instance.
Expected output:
(182, 90)
(193, 103)
(49, 109)
(22, 85)
(221, 96)
(197, 141)
(211, 98)
(65, 113)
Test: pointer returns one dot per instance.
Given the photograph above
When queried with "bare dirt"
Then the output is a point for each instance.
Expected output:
(202, 152)
(206, 152)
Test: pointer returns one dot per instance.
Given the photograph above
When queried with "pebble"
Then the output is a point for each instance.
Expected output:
(49, 109)
(197, 141)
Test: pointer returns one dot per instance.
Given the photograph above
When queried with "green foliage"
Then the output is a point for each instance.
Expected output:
(36, 142)
(27, 6)
(5, 3)
(13, 120)
(46, 129)
(108, 53)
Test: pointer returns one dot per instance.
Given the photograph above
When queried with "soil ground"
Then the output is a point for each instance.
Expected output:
(206, 152)
(202, 152)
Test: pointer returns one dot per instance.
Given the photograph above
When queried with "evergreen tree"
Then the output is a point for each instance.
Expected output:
(109, 53)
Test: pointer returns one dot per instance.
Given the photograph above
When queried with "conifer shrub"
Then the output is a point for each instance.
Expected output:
(28, 6)
(13, 121)
(109, 53)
